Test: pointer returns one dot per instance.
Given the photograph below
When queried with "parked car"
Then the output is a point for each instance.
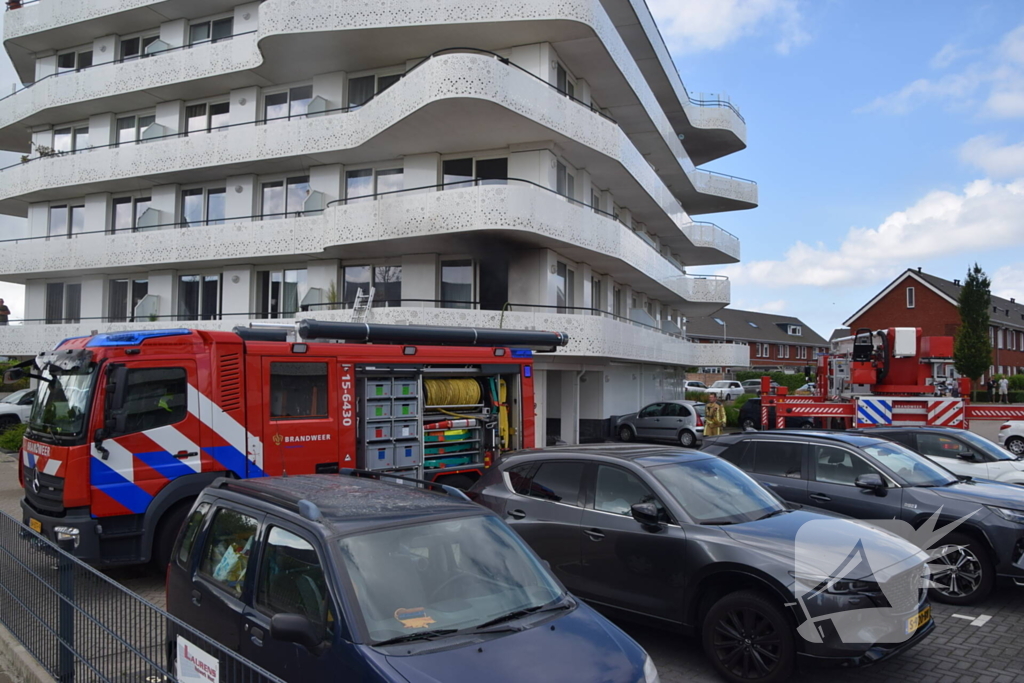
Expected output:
(808, 389)
(384, 582)
(676, 421)
(961, 452)
(689, 542)
(872, 478)
(695, 386)
(14, 408)
(1011, 436)
(726, 390)
(750, 417)
(753, 386)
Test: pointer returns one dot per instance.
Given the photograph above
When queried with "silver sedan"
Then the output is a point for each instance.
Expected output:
(680, 422)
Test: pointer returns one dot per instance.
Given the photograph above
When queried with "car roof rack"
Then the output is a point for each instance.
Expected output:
(371, 474)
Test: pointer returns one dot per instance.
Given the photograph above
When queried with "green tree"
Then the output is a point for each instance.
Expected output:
(972, 353)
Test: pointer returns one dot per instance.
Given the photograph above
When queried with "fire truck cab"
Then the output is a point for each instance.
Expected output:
(128, 428)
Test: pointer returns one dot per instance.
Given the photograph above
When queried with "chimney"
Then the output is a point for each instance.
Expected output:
(956, 282)
(1012, 300)
(919, 269)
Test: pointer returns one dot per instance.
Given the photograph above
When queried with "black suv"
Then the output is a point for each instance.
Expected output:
(321, 576)
(692, 543)
(872, 478)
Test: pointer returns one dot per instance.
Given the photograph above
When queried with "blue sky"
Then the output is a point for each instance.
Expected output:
(883, 135)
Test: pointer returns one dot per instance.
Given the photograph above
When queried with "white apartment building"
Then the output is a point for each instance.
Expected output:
(525, 163)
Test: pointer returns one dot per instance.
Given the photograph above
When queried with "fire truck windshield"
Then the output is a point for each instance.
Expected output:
(63, 401)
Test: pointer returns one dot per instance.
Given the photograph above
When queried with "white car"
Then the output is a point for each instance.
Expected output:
(14, 409)
(961, 452)
(1011, 437)
(726, 390)
(694, 386)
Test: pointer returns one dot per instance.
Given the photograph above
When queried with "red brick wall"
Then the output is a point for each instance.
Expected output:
(933, 314)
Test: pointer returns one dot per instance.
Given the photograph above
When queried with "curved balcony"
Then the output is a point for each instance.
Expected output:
(412, 221)
(489, 98)
(589, 335)
(580, 30)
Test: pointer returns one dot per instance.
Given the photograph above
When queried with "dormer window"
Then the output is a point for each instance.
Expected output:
(796, 330)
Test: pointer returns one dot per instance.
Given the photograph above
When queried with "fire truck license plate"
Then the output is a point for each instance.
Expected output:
(918, 620)
(35, 525)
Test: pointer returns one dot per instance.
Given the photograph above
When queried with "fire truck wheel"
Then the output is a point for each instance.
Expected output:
(965, 574)
(459, 481)
(625, 433)
(1015, 445)
(687, 438)
(167, 534)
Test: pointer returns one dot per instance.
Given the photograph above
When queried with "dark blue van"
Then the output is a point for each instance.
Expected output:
(323, 577)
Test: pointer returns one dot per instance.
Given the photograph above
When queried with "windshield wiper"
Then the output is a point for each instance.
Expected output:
(419, 635)
(557, 604)
(772, 514)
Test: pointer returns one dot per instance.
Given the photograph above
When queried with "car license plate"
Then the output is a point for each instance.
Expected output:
(918, 620)
(35, 525)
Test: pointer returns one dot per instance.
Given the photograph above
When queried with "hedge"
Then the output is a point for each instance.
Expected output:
(11, 439)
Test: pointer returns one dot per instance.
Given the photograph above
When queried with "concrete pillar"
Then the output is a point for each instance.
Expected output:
(38, 219)
(582, 91)
(171, 115)
(104, 50)
(540, 395)
(94, 299)
(35, 301)
(46, 66)
(526, 56)
(162, 284)
(165, 200)
(174, 33)
(527, 162)
(323, 274)
(422, 170)
(244, 105)
(241, 201)
(327, 179)
(237, 286)
(97, 212)
(331, 87)
(101, 130)
(419, 279)
(570, 407)
(528, 276)
(247, 18)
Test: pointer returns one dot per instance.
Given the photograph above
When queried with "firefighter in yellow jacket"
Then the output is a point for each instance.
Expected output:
(714, 416)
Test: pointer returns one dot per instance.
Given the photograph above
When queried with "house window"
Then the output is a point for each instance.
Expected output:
(199, 297)
(289, 104)
(279, 292)
(126, 213)
(134, 48)
(910, 297)
(282, 198)
(123, 295)
(63, 303)
(74, 61)
(211, 31)
(131, 128)
(1001, 338)
(458, 278)
(363, 88)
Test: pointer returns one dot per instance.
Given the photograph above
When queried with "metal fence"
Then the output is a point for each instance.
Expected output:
(82, 626)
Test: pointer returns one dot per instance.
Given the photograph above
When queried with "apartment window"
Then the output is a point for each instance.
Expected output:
(595, 201)
(910, 297)
(200, 206)
(595, 296)
(66, 221)
(279, 292)
(359, 184)
(389, 180)
(561, 179)
(211, 31)
(123, 295)
(70, 139)
(457, 172)
(617, 302)
(127, 211)
(363, 88)
(386, 281)
(202, 118)
(356, 278)
(285, 197)
(199, 297)
(458, 278)
(134, 48)
(564, 82)
(63, 303)
(492, 171)
(131, 128)
(463, 172)
(565, 281)
(292, 103)
(74, 61)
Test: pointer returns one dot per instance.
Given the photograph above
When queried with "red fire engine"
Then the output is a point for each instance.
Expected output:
(885, 377)
(129, 427)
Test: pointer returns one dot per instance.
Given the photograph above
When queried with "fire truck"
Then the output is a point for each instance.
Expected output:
(894, 376)
(129, 427)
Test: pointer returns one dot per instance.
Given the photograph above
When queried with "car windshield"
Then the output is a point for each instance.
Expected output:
(722, 384)
(982, 444)
(697, 384)
(914, 469)
(712, 491)
(452, 574)
(62, 402)
(15, 397)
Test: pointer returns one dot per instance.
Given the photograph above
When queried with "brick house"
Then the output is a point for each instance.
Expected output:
(918, 299)
(777, 342)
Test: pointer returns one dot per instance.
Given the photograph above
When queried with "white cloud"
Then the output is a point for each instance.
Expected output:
(697, 25)
(986, 215)
(1008, 282)
(994, 82)
(988, 153)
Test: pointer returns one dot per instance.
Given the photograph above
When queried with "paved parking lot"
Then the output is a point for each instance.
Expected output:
(963, 648)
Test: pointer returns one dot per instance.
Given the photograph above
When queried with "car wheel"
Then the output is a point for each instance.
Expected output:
(748, 638)
(964, 574)
(1015, 445)
(625, 433)
(687, 439)
(749, 424)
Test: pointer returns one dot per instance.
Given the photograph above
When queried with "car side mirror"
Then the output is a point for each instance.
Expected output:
(969, 456)
(646, 514)
(871, 482)
(295, 628)
(12, 375)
